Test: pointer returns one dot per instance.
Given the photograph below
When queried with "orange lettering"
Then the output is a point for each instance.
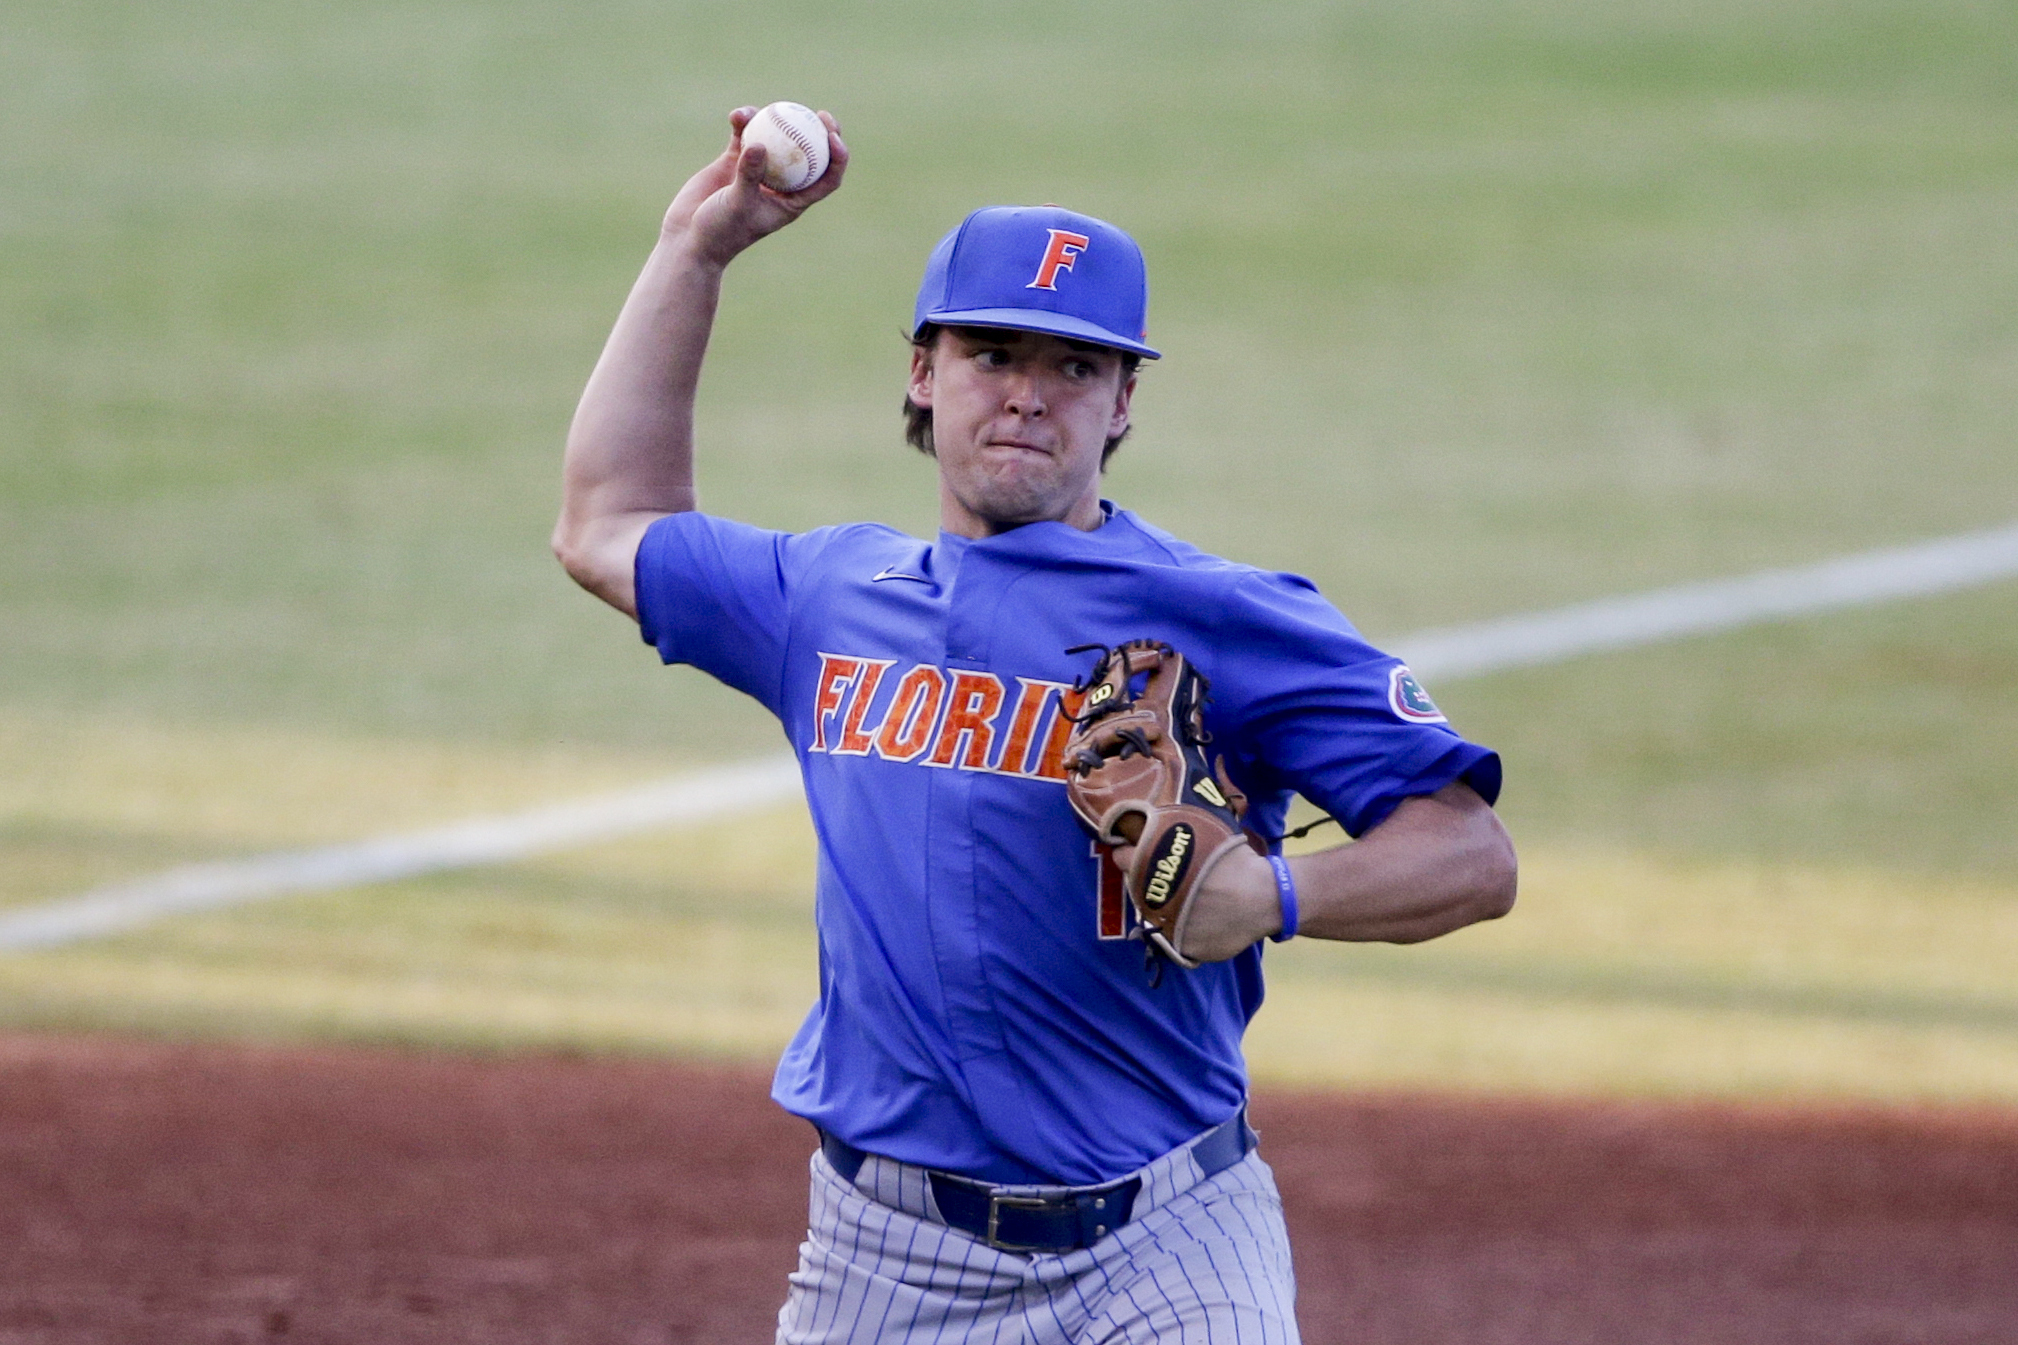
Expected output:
(913, 711)
(1059, 254)
(1023, 723)
(836, 672)
(976, 699)
(853, 741)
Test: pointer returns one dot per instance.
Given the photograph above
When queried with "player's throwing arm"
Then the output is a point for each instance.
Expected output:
(630, 449)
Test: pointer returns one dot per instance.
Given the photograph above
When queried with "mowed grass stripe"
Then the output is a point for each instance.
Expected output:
(1623, 974)
(1517, 642)
(1620, 972)
(1567, 982)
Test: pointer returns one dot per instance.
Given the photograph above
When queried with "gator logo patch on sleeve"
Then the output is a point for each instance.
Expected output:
(1408, 700)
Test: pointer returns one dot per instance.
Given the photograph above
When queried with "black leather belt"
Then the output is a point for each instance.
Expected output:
(1011, 1221)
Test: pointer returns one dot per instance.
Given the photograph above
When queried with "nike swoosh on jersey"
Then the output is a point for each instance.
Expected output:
(892, 572)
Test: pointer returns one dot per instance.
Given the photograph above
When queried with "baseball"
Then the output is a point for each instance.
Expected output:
(795, 145)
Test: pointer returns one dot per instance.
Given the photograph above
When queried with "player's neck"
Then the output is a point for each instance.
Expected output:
(956, 518)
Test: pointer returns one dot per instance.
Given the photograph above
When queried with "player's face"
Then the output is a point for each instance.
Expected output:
(1019, 421)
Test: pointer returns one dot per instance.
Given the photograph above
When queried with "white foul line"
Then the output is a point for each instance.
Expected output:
(1719, 605)
(739, 787)
(1458, 651)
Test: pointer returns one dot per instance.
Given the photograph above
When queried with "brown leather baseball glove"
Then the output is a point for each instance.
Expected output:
(1136, 772)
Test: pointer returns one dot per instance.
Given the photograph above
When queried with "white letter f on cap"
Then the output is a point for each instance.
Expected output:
(1064, 249)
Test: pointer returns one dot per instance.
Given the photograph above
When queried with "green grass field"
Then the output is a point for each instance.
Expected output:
(1469, 308)
(1620, 972)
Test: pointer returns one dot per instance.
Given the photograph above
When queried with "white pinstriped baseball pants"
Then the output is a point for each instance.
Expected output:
(1200, 1261)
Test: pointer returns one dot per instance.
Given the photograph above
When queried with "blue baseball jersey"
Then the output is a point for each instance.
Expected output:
(982, 1008)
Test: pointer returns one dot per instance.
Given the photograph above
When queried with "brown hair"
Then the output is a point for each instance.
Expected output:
(918, 419)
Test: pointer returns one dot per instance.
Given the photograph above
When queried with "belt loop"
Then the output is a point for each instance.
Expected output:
(843, 1157)
(1224, 1145)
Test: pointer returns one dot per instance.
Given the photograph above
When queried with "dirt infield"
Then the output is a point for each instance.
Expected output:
(207, 1193)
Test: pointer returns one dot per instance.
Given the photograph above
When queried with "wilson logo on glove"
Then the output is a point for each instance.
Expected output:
(1166, 871)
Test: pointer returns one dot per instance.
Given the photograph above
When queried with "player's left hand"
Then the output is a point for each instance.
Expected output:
(1235, 907)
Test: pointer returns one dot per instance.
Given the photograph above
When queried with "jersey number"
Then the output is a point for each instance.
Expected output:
(1115, 913)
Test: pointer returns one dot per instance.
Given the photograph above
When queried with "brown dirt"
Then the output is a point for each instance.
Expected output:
(213, 1193)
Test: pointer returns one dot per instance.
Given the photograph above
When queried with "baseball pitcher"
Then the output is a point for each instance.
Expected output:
(1048, 753)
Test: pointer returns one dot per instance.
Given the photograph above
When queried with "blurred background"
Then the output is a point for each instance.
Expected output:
(1470, 308)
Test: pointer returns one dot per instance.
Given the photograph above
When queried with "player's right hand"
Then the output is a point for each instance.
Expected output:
(726, 207)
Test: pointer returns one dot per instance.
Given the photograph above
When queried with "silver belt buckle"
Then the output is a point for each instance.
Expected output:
(997, 1203)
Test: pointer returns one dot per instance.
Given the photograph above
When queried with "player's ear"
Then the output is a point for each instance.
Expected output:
(1117, 424)
(920, 389)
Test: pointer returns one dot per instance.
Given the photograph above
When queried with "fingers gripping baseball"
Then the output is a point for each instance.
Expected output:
(726, 207)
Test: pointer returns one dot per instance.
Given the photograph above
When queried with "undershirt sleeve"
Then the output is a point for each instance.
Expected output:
(713, 593)
(1328, 715)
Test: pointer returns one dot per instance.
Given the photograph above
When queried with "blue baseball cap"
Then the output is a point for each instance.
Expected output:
(1039, 269)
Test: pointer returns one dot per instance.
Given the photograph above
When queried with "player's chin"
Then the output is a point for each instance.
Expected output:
(1011, 498)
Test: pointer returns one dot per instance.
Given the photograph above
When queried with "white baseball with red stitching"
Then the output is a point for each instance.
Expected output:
(795, 145)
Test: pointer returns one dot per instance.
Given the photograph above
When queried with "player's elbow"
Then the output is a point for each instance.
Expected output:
(1482, 879)
(1484, 865)
(1497, 889)
(599, 557)
(571, 549)
(1495, 875)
